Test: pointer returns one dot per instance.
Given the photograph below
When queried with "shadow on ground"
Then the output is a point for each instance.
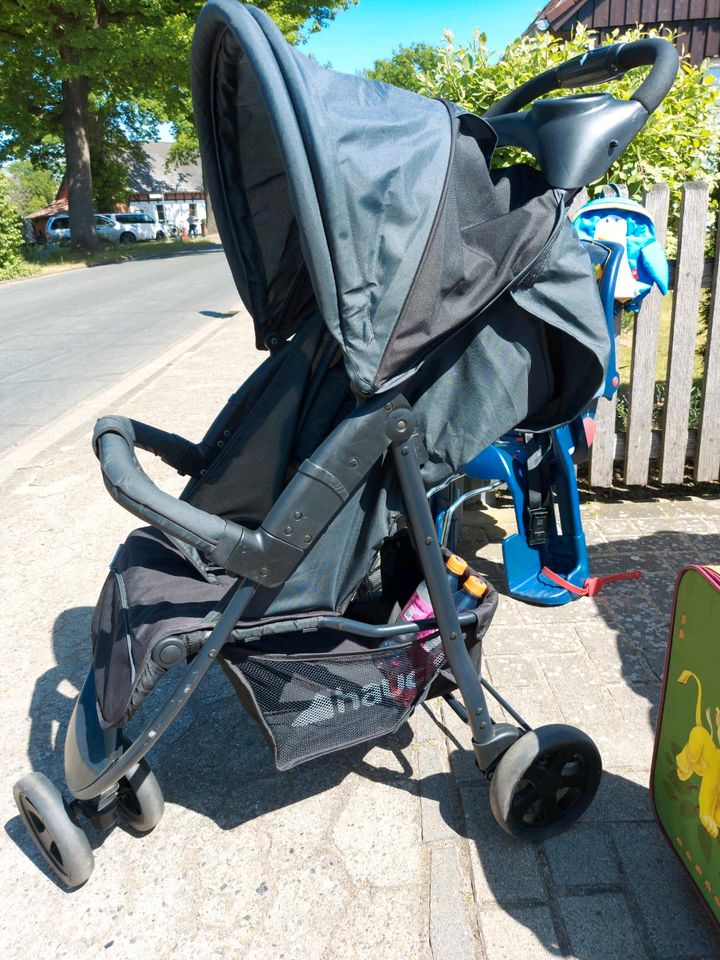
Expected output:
(214, 760)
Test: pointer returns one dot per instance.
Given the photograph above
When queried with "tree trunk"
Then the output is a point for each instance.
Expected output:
(210, 225)
(77, 159)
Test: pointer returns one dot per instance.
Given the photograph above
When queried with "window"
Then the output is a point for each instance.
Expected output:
(193, 210)
(102, 221)
(134, 218)
(160, 212)
(60, 223)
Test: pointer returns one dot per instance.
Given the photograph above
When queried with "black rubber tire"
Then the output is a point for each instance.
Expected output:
(545, 781)
(160, 235)
(127, 237)
(140, 800)
(62, 843)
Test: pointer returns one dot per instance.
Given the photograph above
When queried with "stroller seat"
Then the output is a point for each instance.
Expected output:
(155, 609)
(416, 305)
(312, 687)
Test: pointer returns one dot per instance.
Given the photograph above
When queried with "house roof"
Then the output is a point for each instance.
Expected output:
(697, 23)
(151, 176)
(57, 206)
(556, 12)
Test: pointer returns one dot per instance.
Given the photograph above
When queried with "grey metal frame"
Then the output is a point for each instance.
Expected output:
(463, 498)
(97, 759)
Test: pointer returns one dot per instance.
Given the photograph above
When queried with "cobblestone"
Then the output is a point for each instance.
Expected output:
(388, 851)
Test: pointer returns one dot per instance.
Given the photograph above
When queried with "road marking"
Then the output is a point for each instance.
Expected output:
(86, 412)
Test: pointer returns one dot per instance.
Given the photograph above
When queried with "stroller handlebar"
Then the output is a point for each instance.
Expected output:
(576, 139)
(239, 550)
(320, 487)
(601, 65)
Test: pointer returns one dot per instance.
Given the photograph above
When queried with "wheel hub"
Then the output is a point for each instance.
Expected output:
(42, 835)
(550, 787)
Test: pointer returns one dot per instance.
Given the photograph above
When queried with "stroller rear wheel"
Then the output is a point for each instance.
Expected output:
(61, 842)
(140, 802)
(545, 781)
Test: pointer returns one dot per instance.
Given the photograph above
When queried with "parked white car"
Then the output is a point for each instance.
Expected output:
(136, 226)
(57, 229)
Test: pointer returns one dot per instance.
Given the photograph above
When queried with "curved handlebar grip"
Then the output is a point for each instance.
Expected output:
(128, 484)
(601, 65)
(663, 57)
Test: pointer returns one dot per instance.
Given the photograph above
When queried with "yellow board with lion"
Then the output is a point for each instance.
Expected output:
(685, 779)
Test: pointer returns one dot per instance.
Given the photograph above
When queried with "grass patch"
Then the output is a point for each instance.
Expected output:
(52, 259)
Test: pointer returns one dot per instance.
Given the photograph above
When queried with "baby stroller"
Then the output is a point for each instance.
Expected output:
(416, 307)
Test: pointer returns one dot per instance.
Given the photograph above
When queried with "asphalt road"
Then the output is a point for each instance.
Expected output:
(67, 336)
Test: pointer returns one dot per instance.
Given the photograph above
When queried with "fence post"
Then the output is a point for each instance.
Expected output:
(686, 303)
(644, 357)
(603, 448)
(581, 198)
(707, 458)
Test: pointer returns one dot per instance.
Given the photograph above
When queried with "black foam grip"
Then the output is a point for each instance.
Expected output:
(128, 483)
(662, 56)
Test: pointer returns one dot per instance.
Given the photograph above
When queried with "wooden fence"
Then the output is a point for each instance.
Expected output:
(675, 446)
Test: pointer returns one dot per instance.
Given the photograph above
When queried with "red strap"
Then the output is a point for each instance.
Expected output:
(593, 585)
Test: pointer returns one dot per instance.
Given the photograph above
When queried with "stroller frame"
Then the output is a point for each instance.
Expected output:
(542, 779)
(96, 760)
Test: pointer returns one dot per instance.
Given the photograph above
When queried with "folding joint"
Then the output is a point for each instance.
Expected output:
(257, 555)
(400, 424)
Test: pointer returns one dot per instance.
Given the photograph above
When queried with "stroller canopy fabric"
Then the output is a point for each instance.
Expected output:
(368, 203)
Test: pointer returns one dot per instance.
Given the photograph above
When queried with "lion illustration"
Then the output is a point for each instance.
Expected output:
(702, 757)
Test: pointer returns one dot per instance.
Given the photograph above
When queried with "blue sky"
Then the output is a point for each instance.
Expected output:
(375, 28)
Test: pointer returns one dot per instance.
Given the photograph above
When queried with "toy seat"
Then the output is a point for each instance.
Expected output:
(548, 538)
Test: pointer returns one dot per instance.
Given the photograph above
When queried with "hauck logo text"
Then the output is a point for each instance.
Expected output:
(326, 706)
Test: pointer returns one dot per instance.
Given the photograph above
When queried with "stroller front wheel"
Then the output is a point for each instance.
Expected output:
(140, 802)
(545, 781)
(62, 844)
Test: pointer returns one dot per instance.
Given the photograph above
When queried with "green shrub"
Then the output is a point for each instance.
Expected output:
(680, 142)
(12, 263)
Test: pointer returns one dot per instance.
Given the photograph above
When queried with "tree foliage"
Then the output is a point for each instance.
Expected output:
(296, 19)
(679, 143)
(87, 78)
(405, 67)
(29, 187)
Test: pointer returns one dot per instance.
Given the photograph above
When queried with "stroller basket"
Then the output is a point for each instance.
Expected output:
(344, 690)
(310, 707)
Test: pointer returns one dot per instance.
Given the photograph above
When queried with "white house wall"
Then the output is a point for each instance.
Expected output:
(177, 212)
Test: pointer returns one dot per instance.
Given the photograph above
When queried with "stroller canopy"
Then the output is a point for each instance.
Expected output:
(368, 203)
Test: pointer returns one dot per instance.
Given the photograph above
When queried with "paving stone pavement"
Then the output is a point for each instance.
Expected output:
(387, 851)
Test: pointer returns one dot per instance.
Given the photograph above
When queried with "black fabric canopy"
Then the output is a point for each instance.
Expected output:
(374, 206)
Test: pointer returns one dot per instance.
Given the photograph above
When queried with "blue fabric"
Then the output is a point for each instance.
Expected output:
(646, 257)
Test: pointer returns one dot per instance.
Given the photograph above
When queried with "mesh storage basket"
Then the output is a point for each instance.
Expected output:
(309, 706)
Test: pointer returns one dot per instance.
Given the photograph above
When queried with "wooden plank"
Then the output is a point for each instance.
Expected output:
(648, 11)
(707, 463)
(656, 445)
(644, 357)
(581, 198)
(708, 272)
(603, 449)
(686, 303)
